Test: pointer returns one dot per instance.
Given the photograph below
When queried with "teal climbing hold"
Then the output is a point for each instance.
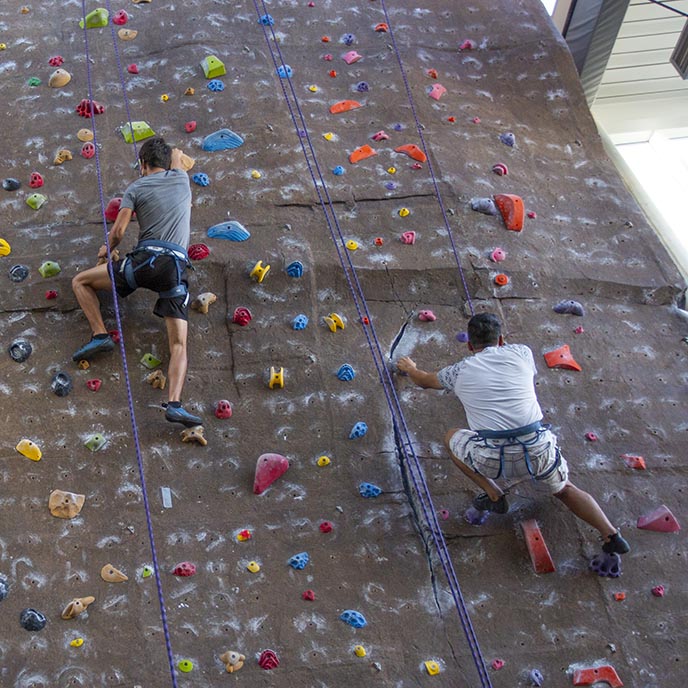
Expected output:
(95, 442)
(231, 230)
(223, 139)
(96, 19)
(49, 268)
(142, 130)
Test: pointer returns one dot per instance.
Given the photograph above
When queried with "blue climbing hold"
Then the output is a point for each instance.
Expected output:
(346, 373)
(390, 186)
(348, 39)
(223, 139)
(299, 561)
(359, 430)
(215, 85)
(535, 677)
(266, 20)
(201, 178)
(462, 337)
(18, 273)
(61, 384)
(508, 139)
(300, 322)
(20, 350)
(32, 620)
(231, 230)
(368, 490)
(362, 87)
(569, 306)
(284, 72)
(353, 618)
(295, 269)
(339, 170)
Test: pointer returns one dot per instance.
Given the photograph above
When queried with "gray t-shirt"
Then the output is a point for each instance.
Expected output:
(162, 203)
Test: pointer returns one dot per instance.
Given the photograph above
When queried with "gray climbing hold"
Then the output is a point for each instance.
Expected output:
(10, 184)
(4, 591)
(486, 206)
(535, 677)
(569, 306)
(32, 620)
(18, 273)
(353, 618)
(223, 139)
(231, 230)
(508, 139)
(20, 350)
(61, 384)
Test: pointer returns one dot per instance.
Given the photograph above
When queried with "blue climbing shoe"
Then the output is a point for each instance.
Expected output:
(95, 346)
(179, 415)
(616, 545)
(483, 503)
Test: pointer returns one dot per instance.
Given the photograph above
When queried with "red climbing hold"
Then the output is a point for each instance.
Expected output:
(269, 467)
(660, 520)
(268, 660)
(223, 409)
(56, 61)
(632, 461)
(539, 554)
(186, 568)
(500, 169)
(587, 677)
(242, 316)
(326, 527)
(468, 44)
(116, 336)
(379, 241)
(50, 294)
(308, 595)
(344, 105)
(190, 127)
(432, 73)
(88, 150)
(120, 18)
(198, 251)
(112, 208)
(412, 151)
(361, 153)
(133, 68)
(561, 358)
(512, 210)
(94, 385)
(531, 214)
(35, 180)
(84, 108)
(658, 591)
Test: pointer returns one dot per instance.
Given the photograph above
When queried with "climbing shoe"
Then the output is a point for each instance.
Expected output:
(483, 503)
(616, 545)
(97, 345)
(176, 414)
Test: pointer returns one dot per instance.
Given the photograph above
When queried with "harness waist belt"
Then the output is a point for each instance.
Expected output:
(512, 434)
(162, 247)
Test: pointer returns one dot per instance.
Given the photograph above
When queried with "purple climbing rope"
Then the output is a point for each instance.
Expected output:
(415, 470)
(130, 400)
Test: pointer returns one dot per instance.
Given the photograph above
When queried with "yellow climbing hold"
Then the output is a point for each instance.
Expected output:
(359, 651)
(185, 665)
(29, 449)
(313, 88)
(127, 34)
(404, 212)
(352, 245)
(164, 97)
(253, 566)
(190, 91)
(259, 271)
(5, 249)
(255, 174)
(77, 642)
(334, 321)
(432, 667)
(213, 67)
(324, 461)
(328, 136)
(3, 46)
(392, 170)
(84, 135)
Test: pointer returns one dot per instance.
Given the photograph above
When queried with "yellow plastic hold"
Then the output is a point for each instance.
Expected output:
(328, 136)
(190, 91)
(334, 321)
(253, 566)
(276, 377)
(259, 271)
(77, 642)
(432, 668)
(30, 450)
(313, 88)
(164, 97)
(3, 46)
(392, 170)
(324, 461)
(5, 249)
(83, 364)
(404, 212)
(352, 245)
(360, 651)
(256, 175)
(213, 67)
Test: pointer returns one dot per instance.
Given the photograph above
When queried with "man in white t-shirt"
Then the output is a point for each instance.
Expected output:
(507, 440)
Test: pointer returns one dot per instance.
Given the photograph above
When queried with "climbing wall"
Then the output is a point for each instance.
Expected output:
(337, 566)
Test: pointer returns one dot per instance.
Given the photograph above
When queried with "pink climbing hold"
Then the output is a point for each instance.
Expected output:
(579, 330)
(36, 180)
(269, 467)
(120, 18)
(427, 316)
(476, 120)
(498, 255)
(242, 316)
(351, 57)
(468, 44)
(497, 664)
(660, 520)
(94, 385)
(531, 214)
(88, 150)
(184, 569)
(408, 238)
(308, 595)
(223, 409)
(112, 209)
(658, 591)
(444, 514)
(327, 58)
(50, 294)
(268, 660)
(133, 68)
(198, 251)
(380, 136)
(437, 91)
(500, 169)
(326, 527)
(56, 61)
(591, 437)
(190, 127)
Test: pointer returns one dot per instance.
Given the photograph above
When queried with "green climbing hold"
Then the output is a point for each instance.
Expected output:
(96, 19)
(185, 665)
(36, 200)
(213, 67)
(49, 268)
(146, 571)
(34, 81)
(95, 442)
(150, 361)
(142, 130)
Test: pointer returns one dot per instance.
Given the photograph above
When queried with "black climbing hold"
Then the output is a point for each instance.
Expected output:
(20, 350)
(32, 620)
(3, 587)
(10, 184)
(18, 273)
(61, 384)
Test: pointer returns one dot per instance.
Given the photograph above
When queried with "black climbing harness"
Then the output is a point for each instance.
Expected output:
(155, 248)
(513, 437)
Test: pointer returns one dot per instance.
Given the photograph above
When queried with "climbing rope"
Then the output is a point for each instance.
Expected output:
(127, 381)
(406, 447)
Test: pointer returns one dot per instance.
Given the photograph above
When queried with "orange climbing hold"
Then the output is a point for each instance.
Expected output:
(588, 677)
(501, 280)
(412, 151)
(633, 461)
(561, 358)
(344, 106)
(381, 27)
(539, 554)
(361, 153)
(512, 210)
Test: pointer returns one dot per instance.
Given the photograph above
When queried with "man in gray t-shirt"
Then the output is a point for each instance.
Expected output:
(161, 200)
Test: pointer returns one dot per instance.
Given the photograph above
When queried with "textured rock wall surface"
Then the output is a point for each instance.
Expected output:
(586, 241)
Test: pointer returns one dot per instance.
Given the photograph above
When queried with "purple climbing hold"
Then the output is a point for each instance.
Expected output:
(348, 39)
(486, 206)
(390, 186)
(398, 127)
(535, 677)
(362, 87)
(475, 517)
(606, 565)
(569, 306)
(462, 337)
(508, 139)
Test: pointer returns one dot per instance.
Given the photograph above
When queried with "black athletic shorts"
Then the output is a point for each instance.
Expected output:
(159, 277)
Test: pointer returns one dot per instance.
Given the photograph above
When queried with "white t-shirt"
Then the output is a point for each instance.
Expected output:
(496, 387)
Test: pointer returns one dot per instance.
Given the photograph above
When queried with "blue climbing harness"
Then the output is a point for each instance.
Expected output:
(513, 437)
(155, 248)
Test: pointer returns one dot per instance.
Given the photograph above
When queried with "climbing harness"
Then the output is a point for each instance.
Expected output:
(512, 438)
(154, 248)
